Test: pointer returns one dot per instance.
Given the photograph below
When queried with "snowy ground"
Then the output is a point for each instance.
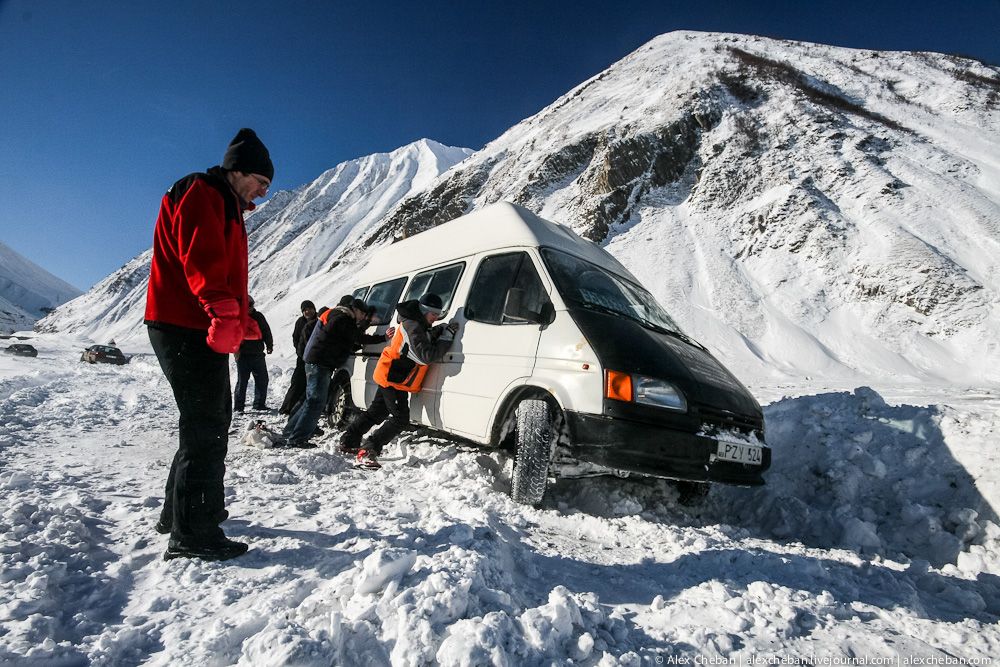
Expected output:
(875, 539)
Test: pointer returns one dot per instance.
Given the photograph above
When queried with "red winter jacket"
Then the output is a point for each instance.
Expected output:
(199, 252)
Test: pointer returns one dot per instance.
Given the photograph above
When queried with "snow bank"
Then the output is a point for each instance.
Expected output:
(851, 471)
(428, 561)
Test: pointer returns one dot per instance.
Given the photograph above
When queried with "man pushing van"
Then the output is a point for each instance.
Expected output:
(400, 372)
(334, 336)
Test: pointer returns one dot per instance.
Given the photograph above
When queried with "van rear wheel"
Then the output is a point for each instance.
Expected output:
(338, 406)
(534, 437)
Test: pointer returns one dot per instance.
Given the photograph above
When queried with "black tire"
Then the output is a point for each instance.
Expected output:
(338, 406)
(534, 436)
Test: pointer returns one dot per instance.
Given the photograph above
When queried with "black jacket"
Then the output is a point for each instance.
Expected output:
(307, 330)
(332, 341)
(266, 341)
(300, 336)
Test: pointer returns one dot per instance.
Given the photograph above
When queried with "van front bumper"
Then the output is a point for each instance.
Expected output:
(655, 450)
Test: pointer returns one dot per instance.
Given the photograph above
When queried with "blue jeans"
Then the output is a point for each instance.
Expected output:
(302, 423)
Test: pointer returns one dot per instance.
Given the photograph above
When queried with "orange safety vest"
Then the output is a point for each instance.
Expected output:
(396, 369)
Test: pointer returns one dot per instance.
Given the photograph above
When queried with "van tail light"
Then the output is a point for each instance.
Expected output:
(618, 386)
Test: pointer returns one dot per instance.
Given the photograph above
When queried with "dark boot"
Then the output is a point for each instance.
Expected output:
(164, 524)
(220, 549)
(350, 442)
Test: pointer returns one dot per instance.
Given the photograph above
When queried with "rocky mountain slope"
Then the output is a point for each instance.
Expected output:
(27, 291)
(804, 210)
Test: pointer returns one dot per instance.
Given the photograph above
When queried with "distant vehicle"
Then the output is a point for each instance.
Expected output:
(21, 350)
(103, 354)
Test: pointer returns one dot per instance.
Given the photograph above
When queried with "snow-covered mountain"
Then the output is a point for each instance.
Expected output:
(27, 291)
(291, 236)
(803, 210)
(297, 234)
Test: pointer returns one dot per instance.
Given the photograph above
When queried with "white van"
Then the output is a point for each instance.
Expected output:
(562, 357)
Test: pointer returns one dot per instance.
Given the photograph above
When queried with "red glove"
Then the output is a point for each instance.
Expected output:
(226, 331)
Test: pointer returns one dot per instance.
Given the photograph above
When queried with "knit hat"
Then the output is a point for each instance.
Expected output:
(430, 303)
(248, 154)
(307, 304)
(346, 301)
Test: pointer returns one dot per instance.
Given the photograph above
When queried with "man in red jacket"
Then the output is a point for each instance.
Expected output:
(196, 312)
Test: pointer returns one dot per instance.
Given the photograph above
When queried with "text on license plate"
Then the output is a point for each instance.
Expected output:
(739, 452)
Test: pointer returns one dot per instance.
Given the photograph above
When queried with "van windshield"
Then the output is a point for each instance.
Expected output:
(586, 285)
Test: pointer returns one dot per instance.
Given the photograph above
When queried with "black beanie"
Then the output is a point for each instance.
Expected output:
(248, 154)
(346, 301)
(307, 304)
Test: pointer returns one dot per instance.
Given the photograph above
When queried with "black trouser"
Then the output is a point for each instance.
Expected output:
(247, 365)
(388, 402)
(296, 390)
(194, 498)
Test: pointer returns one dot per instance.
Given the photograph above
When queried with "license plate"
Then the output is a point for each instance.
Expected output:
(738, 452)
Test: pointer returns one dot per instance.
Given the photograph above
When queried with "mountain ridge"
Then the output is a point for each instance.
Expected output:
(801, 209)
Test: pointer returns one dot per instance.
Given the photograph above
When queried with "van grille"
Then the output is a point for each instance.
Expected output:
(727, 419)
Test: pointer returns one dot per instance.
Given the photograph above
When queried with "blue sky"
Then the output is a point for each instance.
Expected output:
(104, 104)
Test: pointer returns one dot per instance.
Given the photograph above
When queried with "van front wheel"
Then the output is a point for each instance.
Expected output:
(535, 433)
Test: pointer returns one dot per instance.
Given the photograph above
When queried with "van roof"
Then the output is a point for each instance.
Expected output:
(493, 227)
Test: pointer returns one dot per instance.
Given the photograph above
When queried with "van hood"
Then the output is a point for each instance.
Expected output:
(624, 345)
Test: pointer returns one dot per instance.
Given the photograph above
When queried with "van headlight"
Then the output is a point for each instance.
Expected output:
(645, 390)
(650, 391)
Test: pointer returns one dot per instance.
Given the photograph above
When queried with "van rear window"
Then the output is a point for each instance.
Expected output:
(385, 296)
(441, 281)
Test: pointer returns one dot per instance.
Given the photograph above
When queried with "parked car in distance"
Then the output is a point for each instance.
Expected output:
(21, 350)
(103, 354)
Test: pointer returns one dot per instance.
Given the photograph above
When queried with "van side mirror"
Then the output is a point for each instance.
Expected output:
(515, 309)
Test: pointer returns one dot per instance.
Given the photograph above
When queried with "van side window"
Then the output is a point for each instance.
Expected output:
(359, 293)
(385, 296)
(441, 281)
(495, 276)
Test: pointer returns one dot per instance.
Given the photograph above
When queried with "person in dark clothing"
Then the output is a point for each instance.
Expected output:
(297, 387)
(300, 350)
(250, 360)
(196, 312)
(399, 373)
(334, 336)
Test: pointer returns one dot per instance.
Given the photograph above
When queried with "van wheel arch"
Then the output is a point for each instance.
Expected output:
(498, 437)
